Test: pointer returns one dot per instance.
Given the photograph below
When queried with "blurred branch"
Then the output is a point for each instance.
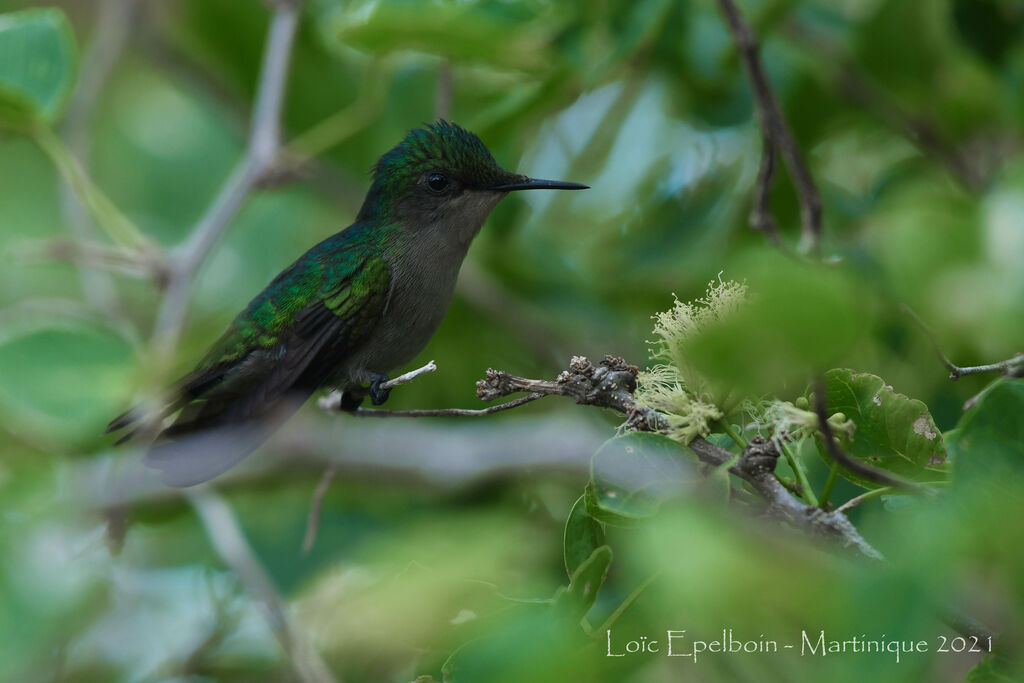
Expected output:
(446, 412)
(761, 218)
(261, 153)
(105, 47)
(851, 83)
(776, 133)
(314, 510)
(445, 92)
(1011, 367)
(849, 462)
(228, 540)
(98, 257)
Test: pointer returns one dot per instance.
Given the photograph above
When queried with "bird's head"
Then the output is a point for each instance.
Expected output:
(442, 176)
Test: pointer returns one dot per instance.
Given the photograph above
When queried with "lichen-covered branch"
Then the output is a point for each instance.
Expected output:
(611, 385)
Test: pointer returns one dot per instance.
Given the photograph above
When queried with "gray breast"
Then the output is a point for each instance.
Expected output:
(424, 264)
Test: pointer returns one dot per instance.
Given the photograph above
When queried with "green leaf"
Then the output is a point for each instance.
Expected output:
(502, 35)
(798, 318)
(894, 433)
(583, 534)
(989, 439)
(38, 64)
(572, 602)
(42, 391)
(633, 474)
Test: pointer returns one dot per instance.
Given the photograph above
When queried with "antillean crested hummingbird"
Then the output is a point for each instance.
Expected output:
(351, 309)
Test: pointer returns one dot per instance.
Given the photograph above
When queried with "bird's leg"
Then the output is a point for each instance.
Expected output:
(377, 394)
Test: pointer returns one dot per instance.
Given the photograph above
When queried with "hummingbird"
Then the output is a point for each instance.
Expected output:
(347, 312)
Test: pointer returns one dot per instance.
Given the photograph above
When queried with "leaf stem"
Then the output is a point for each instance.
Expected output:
(626, 604)
(874, 493)
(732, 434)
(829, 484)
(801, 475)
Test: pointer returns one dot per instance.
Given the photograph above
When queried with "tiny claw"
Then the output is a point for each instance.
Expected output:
(377, 394)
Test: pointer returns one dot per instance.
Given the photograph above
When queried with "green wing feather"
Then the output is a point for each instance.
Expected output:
(287, 340)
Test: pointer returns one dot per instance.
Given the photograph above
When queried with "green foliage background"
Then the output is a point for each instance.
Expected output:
(447, 536)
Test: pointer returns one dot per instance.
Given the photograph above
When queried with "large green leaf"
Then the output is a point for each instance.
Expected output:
(38, 64)
(894, 433)
(989, 439)
(633, 474)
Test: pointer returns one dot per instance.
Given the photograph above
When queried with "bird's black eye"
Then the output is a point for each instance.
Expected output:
(437, 182)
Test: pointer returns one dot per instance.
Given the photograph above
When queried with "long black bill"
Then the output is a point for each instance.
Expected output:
(538, 184)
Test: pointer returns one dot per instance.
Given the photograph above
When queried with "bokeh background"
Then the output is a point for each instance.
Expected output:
(433, 533)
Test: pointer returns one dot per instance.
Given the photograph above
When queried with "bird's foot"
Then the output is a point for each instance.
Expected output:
(377, 394)
(351, 400)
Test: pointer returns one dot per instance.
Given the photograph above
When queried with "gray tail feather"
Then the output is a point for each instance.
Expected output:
(202, 455)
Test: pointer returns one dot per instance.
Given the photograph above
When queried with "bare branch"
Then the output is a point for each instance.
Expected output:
(230, 543)
(776, 130)
(261, 151)
(1011, 367)
(446, 412)
(409, 376)
(314, 510)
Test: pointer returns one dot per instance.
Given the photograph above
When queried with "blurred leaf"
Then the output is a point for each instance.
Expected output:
(989, 438)
(500, 34)
(583, 534)
(894, 433)
(989, 27)
(573, 602)
(62, 384)
(547, 652)
(799, 318)
(38, 65)
(633, 474)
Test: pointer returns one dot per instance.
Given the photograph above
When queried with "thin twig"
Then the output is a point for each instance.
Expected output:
(261, 151)
(854, 502)
(1011, 367)
(447, 412)
(230, 543)
(332, 401)
(776, 130)
(314, 509)
(407, 377)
